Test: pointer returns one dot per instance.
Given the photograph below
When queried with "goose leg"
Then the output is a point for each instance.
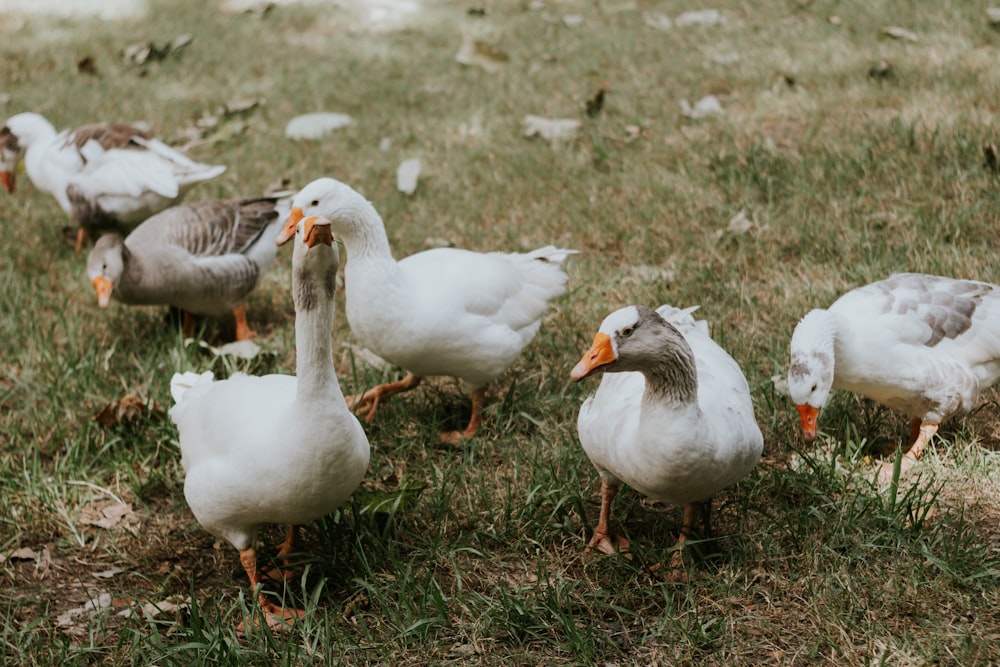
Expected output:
(81, 238)
(367, 404)
(187, 327)
(276, 617)
(604, 540)
(920, 433)
(475, 421)
(289, 546)
(243, 330)
(676, 571)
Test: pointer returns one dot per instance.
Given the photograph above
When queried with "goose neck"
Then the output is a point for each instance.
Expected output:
(672, 377)
(314, 312)
(362, 231)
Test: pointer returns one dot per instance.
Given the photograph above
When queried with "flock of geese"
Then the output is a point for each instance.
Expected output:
(672, 416)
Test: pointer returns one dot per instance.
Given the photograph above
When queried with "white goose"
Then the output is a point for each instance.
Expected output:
(678, 428)
(203, 258)
(104, 174)
(921, 345)
(278, 448)
(439, 312)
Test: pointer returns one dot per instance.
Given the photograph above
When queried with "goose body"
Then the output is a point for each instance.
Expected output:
(103, 174)
(921, 345)
(444, 311)
(277, 448)
(672, 417)
(204, 258)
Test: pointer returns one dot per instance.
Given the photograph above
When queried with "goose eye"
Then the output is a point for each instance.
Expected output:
(314, 202)
(813, 389)
(627, 331)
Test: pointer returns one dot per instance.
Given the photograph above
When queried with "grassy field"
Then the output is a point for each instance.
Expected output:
(850, 153)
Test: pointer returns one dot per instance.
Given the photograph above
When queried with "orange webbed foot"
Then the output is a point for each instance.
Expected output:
(609, 544)
(277, 618)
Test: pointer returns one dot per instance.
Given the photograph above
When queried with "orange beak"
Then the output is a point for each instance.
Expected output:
(597, 357)
(8, 180)
(288, 231)
(317, 230)
(104, 289)
(808, 415)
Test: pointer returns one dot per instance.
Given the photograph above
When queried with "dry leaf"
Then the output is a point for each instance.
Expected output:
(991, 157)
(43, 563)
(725, 58)
(699, 17)
(657, 21)
(462, 651)
(474, 52)
(70, 620)
(316, 125)
(109, 514)
(596, 103)
(881, 71)
(706, 106)
(553, 129)
(407, 174)
(86, 65)
(255, 7)
(128, 409)
(107, 574)
(24, 553)
(239, 105)
(740, 223)
(142, 52)
(899, 33)
(169, 605)
(209, 121)
(647, 273)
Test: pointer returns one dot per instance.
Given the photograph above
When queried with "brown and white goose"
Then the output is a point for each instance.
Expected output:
(922, 345)
(204, 258)
(672, 417)
(103, 175)
(443, 311)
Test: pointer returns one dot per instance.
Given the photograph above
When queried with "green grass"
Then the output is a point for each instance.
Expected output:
(475, 556)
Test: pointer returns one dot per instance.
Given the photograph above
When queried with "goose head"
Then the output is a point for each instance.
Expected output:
(20, 132)
(10, 156)
(811, 369)
(329, 198)
(314, 243)
(105, 266)
(636, 338)
(315, 261)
